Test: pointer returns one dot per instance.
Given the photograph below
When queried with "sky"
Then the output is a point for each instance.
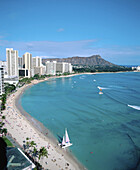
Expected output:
(66, 28)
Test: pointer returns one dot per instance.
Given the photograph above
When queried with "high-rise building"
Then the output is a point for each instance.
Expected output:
(63, 67)
(1, 81)
(4, 65)
(37, 61)
(27, 63)
(70, 67)
(12, 62)
(38, 66)
(20, 65)
(60, 67)
(40, 70)
(50, 68)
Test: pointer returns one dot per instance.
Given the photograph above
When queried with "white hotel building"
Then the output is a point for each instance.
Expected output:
(12, 62)
(50, 68)
(37, 61)
(38, 67)
(27, 64)
(58, 67)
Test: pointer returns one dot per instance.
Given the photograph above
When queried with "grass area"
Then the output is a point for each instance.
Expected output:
(7, 141)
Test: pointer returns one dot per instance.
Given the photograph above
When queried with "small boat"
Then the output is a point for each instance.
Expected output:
(100, 91)
(66, 141)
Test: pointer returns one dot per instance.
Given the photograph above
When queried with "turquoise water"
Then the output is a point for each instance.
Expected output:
(104, 129)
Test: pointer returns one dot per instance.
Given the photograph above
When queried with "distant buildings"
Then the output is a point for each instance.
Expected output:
(40, 70)
(1, 81)
(27, 66)
(62, 67)
(37, 61)
(38, 67)
(12, 62)
(136, 68)
(53, 68)
(50, 68)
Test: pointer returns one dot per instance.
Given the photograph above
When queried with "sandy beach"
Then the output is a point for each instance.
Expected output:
(21, 125)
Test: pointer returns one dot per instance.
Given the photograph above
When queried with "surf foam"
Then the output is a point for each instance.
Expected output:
(102, 87)
(134, 107)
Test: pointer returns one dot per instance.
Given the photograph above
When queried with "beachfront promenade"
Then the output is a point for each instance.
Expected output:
(20, 128)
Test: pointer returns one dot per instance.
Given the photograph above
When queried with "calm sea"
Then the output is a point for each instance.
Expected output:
(104, 129)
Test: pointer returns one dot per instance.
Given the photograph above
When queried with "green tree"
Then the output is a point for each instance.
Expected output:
(32, 144)
(9, 88)
(36, 76)
(27, 144)
(43, 152)
(34, 153)
(4, 131)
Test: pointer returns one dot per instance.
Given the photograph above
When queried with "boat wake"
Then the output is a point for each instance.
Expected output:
(134, 107)
(103, 88)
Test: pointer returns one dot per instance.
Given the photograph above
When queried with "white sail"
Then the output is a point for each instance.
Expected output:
(66, 141)
(67, 137)
(63, 141)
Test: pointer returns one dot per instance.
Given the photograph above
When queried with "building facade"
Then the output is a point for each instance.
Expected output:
(1, 81)
(138, 68)
(12, 62)
(20, 65)
(40, 70)
(60, 68)
(63, 67)
(51, 68)
(37, 61)
(27, 63)
(70, 67)
(4, 65)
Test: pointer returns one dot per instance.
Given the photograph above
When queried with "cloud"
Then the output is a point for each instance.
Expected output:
(60, 30)
(50, 48)
(53, 49)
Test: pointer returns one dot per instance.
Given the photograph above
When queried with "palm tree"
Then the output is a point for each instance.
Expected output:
(32, 144)
(35, 153)
(3, 117)
(43, 153)
(4, 131)
(27, 144)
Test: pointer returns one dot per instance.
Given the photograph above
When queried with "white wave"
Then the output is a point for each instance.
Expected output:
(94, 80)
(118, 87)
(102, 87)
(134, 107)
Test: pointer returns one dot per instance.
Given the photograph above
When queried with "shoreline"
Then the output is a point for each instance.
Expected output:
(63, 157)
(58, 158)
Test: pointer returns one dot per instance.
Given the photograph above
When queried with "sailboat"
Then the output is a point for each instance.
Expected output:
(66, 141)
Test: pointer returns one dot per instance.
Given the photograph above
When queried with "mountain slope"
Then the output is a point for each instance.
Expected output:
(82, 61)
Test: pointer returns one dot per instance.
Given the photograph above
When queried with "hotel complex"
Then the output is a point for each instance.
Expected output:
(27, 66)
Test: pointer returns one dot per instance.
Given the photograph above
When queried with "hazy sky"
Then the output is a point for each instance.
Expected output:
(66, 28)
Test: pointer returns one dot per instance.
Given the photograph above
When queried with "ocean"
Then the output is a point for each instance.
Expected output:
(104, 129)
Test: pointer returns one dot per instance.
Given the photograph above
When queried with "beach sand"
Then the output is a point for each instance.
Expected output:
(21, 125)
